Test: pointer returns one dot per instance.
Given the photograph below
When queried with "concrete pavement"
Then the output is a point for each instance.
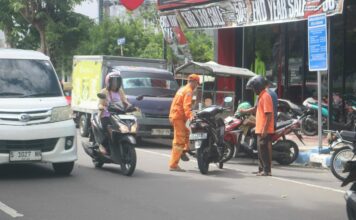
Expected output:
(155, 193)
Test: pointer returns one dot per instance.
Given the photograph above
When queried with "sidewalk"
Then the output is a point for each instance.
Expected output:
(309, 153)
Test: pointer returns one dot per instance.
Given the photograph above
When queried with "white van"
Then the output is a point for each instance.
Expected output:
(35, 119)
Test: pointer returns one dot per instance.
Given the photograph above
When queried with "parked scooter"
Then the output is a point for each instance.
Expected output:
(207, 134)
(350, 196)
(343, 145)
(284, 151)
(287, 110)
(121, 139)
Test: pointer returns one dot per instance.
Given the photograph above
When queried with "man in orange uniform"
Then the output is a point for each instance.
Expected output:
(179, 114)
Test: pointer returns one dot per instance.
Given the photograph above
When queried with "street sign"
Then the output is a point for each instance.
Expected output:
(318, 57)
(317, 43)
(121, 41)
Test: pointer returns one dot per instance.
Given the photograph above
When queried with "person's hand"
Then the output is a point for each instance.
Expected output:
(263, 134)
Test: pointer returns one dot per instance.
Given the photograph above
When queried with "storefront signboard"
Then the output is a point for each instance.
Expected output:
(239, 13)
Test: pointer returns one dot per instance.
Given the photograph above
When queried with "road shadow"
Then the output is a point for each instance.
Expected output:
(155, 143)
(26, 171)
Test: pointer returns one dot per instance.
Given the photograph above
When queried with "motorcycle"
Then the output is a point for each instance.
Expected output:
(350, 196)
(310, 123)
(121, 139)
(288, 110)
(244, 139)
(343, 145)
(207, 134)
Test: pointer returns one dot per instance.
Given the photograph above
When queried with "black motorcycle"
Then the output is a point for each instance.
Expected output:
(350, 196)
(207, 134)
(121, 137)
(343, 145)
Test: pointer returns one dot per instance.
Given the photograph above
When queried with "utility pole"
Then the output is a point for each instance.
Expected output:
(101, 3)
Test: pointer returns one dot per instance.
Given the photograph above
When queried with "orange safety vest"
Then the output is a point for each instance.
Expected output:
(181, 107)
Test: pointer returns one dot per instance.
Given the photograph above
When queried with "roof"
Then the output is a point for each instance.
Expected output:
(22, 54)
(141, 69)
(213, 69)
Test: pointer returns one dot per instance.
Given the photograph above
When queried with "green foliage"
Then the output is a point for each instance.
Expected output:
(200, 45)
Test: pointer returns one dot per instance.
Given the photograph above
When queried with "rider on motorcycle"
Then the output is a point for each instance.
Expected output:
(114, 94)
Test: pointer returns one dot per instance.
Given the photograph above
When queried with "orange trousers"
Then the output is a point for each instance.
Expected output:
(180, 142)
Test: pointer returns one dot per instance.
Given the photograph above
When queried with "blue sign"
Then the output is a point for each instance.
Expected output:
(318, 43)
(121, 41)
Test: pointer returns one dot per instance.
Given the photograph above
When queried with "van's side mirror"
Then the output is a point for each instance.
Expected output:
(101, 96)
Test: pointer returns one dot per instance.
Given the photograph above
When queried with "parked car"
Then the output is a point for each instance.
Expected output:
(35, 119)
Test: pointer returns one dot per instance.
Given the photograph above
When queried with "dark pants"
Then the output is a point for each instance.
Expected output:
(105, 122)
(264, 146)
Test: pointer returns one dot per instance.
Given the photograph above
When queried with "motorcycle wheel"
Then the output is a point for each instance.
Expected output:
(338, 161)
(228, 152)
(203, 160)
(291, 148)
(97, 164)
(308, 128)
(128, 159)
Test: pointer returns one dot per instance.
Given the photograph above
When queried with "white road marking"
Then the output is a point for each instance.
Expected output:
(273, 177)
(10, 211)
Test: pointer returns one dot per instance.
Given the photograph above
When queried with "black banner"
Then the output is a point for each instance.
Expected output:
(235, 13)
(173, 4)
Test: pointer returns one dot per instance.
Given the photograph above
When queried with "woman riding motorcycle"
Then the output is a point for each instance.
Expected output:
(114, 94)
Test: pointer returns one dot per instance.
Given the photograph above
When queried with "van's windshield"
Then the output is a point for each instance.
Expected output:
(150, 84)
(28, 78)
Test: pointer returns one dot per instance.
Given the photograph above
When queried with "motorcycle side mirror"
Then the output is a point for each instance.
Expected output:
(101, 96)
(139, 98)
(228, 99)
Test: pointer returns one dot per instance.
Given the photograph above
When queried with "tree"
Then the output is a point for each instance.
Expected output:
(39, 13)
(201, 45)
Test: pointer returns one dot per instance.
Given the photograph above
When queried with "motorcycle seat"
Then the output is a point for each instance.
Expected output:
(348, 136)
(283, 124)
(97, 120)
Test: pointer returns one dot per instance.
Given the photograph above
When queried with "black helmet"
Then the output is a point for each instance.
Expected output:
(257, 83)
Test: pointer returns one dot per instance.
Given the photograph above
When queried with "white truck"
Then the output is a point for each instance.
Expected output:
(141, 77)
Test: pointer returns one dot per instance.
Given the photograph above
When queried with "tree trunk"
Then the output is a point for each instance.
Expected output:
(41, 30)
(8, 37)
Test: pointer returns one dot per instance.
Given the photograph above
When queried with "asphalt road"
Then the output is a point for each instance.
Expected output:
(33, 192)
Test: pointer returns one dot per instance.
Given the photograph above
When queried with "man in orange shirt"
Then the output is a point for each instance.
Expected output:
(264, 124)
(180, 113)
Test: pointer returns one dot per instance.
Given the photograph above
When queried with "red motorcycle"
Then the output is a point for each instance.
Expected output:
(244, 139)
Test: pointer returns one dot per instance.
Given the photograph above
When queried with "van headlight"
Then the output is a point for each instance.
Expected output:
(61, 114)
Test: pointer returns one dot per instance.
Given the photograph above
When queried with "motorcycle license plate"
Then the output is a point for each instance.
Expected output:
(17, 156)
(198, 136)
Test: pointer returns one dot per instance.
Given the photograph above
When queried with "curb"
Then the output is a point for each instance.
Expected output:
(313, 158)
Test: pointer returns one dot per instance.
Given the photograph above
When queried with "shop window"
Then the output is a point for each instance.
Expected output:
(296, 45)
(350, 49)
(269, 54)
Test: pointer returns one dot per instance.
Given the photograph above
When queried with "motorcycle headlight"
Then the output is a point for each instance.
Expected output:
(61, 114)
(123, 128)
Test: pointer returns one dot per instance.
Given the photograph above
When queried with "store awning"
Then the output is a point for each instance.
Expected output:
(213, 69)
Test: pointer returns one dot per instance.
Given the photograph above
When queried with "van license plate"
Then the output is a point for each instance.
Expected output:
(162, 132)
(16, 156)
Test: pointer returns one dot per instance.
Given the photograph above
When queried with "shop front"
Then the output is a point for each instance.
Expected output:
(270, 38)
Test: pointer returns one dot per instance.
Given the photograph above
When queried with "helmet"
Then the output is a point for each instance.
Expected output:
(113, 76)
(194, 77)
(243, 105)
(257, 83)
